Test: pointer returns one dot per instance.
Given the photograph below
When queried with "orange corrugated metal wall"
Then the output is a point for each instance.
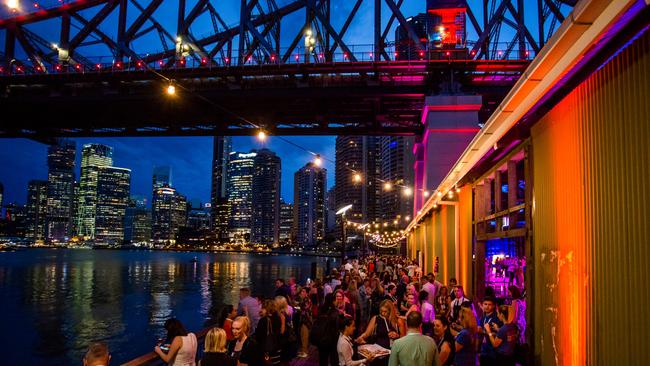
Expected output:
(591, 218)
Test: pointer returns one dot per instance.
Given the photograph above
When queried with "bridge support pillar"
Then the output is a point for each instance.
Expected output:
(450, 123)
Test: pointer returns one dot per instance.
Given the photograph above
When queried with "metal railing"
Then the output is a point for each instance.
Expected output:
(188, 60)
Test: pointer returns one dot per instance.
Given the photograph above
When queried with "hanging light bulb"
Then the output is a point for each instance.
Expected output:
(450, 194)
(171, 89)
(356, 178)
(457, 189)
(407, 191)
(439, 194)
(388, 186)
(12, 4)
(426, 193)
(318, 161)
(261, 136)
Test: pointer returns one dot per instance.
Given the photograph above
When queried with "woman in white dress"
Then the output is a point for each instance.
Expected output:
(182, 350)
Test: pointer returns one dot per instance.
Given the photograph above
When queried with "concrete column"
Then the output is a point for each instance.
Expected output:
(450, 122)
(419, 171)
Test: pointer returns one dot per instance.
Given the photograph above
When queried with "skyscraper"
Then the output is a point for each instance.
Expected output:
(93, 156)
(286, 223)
(60, 190)
(265, 226)
(113, 191)
(137, 221)
(240, 195)
(310, 183)
(397, 167)
(36, 209)
(358, 169)
(219, 195)
(169, 214)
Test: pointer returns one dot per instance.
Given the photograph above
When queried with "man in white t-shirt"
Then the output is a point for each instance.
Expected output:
(431, 289)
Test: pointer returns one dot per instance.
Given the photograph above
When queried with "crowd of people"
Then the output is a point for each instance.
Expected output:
(383, 301)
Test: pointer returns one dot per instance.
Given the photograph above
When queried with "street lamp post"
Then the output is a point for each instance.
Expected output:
(342, 212)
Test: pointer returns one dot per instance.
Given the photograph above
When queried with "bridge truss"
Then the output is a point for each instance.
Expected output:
(37, 38)
(98, 67)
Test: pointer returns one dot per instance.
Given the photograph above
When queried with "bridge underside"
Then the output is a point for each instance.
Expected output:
(364, 98)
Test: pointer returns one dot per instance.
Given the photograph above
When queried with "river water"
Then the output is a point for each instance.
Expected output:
(54, 302)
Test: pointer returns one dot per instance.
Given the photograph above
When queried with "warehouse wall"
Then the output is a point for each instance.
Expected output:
(591, 218)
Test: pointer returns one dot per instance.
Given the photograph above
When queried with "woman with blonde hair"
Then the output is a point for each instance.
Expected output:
(287, 336)
(243, 349)
(384, 328)
(214, 353)
(466, 339)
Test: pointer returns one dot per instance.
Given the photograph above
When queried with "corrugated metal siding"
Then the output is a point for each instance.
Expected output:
(591, 218)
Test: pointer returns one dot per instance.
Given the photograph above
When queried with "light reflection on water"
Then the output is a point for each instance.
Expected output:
(55, 302)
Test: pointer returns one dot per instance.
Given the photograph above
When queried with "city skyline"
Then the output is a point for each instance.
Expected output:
(190, 159)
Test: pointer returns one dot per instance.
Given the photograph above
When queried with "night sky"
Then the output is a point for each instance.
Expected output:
(190, 158)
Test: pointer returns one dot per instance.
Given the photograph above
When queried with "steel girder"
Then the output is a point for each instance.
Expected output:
(266, 31)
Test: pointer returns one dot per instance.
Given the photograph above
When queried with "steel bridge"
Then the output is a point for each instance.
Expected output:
(294, 67)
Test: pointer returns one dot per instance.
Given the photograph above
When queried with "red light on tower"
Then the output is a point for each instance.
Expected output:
(139, 63)
(36, 5)
(57, 67)
(19, 69)
(160, 62)
(320, 55)
(204, 61)
(421, 53)
(227, 60)
(345, 55)
(98, 66)
(272, 57)
(447, 53)
(118, 65)
(297, 57)
(77, 66)
(182, 61)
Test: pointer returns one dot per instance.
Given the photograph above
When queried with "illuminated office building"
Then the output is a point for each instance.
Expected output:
(240, 195)
(60, 190)
(220, 209)
(93, 156)
(36, 209)
(113, 191)
(265, 223)
(310, 183)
